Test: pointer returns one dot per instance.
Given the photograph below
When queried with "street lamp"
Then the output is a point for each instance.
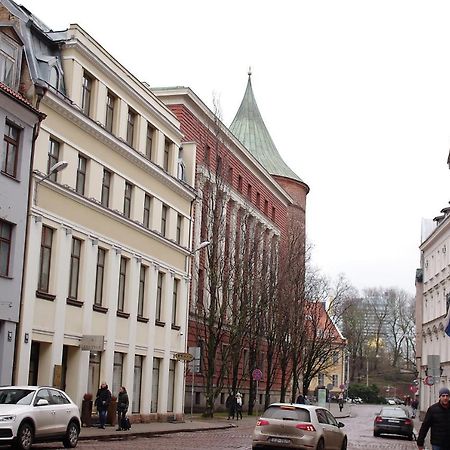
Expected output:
(57, 167)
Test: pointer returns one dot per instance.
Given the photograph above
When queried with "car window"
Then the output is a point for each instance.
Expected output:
(321, 416)
(58, 398)
(331, 419)
(16, 396)
(43, 394)
(289, 413)
(393, 412)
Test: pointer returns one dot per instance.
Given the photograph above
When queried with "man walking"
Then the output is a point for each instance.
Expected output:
(438, 419)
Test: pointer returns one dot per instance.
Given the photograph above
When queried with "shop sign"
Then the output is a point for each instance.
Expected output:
(92, 343)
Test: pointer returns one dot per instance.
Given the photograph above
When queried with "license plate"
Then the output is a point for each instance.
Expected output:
(280, 441)
(393, 421)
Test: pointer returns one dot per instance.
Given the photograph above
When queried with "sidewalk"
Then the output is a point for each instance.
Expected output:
(188, 426)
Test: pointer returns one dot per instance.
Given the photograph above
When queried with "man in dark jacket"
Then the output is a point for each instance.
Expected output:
(438, 419)
(102, 402)
(122, 408)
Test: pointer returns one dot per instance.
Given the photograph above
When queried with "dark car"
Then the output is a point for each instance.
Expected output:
(393, 420)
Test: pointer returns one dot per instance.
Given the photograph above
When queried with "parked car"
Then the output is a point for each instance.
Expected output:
(393, 420)
(30, 414)
(356, 400)
(295, 426)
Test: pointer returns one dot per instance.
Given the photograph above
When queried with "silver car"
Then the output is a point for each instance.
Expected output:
(30, 414)
(288, 425)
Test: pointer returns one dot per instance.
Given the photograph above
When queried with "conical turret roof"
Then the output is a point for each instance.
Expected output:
(248, 126)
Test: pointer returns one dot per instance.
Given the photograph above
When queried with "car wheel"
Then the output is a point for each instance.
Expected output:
(376, 433)
(24, 437)
(344, 444)
(71, 439)
(411, 437)
(320, 445)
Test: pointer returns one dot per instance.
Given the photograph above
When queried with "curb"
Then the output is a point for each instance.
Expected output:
(133, 434)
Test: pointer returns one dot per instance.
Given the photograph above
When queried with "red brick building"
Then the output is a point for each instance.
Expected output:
(256, 193)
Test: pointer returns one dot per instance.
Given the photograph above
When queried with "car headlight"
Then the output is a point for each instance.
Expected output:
(7, 418)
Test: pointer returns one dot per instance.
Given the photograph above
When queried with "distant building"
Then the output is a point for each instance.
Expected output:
(19, 124)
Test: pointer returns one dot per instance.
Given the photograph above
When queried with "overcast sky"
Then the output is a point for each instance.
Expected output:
(356, 96)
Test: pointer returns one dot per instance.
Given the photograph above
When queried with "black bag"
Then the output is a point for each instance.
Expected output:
(125, 423)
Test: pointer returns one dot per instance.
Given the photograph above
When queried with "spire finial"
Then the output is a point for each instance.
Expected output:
(249, 71)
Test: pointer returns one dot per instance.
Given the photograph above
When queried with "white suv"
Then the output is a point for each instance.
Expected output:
(31, 414)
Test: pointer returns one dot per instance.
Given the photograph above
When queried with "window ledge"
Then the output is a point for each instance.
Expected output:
(74, 302)
(11, 177)
(176, 327)
(122, 314)
(45, 296)
(142, 319)
(6, 277)
(158, 323)
(100, 309)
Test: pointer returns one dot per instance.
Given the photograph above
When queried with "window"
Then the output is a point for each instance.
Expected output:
(45, 259)
(266, 207)
(240, 183)
(122, 281)
(9, 62)
(147, 209)
(175, 301)
(230, 175)
(127, 200)
(171, 383)
(100, 275)
(335, 380)
(335, 357)
(273, 213)
(86, 91)
(149, 142)
(5, 247)
(207, 155)
(130, 126)
(81, 174)
(321, 379)
(106, 183)
(179, 225)
(110, 104)
(141, 298)
(53, 157)
(137, 391)
(74, 268)
(163, 219)
(258, 199)
(159, 295)
(117, 372)
(155, 385)
(54, 77)
(249, 191)
(10, 150)
(167, 145)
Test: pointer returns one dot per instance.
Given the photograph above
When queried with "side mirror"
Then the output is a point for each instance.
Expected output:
(340, 425)
(42, 402)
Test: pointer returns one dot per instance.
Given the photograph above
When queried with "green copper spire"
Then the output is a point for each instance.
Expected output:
(248, 126)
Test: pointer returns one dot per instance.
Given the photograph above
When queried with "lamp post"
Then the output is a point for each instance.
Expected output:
(193, 362)
(57, 167)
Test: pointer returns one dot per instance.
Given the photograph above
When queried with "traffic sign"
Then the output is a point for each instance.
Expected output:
(429, 380)
(413, 388)
(257, 375)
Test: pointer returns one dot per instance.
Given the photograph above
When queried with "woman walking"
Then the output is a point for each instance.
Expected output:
(122, 408)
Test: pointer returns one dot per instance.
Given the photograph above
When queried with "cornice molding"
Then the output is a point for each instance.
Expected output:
(72, 113)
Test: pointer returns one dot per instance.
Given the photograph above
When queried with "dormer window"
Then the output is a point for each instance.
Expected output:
(9, 62)
(54, 77)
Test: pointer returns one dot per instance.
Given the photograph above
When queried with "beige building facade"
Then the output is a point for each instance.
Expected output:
(106, 276)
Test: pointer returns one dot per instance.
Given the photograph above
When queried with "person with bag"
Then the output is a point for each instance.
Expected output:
(122, 408)
(102, 401)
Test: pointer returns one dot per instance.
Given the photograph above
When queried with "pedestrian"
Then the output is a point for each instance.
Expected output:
(300, 399)
(122, 408)
(102, 401)
(437, 418)
(341, 401)
(414, 406)
(238, 406)
(230, 405)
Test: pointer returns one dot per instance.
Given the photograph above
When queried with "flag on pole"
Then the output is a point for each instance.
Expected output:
(447, 323)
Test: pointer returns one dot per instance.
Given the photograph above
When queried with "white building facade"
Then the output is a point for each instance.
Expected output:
(106, 278)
